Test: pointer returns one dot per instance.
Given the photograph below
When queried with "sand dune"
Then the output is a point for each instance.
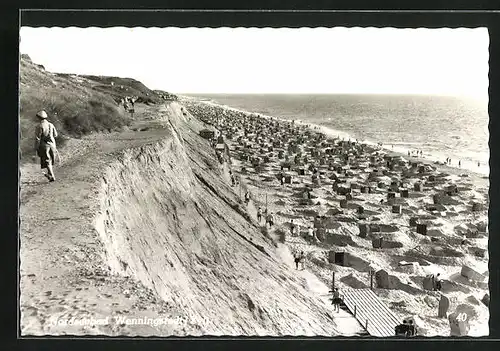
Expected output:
(171, 238)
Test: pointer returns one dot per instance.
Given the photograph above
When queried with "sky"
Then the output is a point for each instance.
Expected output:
(268, 60)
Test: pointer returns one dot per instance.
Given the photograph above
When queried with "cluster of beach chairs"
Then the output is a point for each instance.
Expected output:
(331, 182)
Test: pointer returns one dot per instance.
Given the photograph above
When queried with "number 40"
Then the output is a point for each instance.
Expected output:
(462, 317)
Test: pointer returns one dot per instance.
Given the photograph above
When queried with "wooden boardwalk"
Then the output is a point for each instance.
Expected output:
(371, 312)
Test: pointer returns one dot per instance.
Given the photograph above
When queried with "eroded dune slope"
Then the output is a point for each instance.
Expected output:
(169, 220)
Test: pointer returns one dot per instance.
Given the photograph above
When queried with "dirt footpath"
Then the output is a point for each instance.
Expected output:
(62, 271)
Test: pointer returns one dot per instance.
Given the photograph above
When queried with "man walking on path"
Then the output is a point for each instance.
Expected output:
(247, 197)
(45, 144)
(292, 227)
(259, 215)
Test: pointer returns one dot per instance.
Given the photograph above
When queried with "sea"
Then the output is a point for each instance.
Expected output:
(439, 126)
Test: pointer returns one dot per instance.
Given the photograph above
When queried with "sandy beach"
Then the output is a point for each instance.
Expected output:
(402, 218)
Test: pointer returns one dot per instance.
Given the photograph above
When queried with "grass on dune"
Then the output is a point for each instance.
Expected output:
(73, 106)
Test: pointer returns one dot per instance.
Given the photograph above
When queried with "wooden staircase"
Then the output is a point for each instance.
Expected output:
(363, 332)
(371, 313)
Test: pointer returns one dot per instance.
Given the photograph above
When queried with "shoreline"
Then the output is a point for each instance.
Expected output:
(477, 177)
(251, 141)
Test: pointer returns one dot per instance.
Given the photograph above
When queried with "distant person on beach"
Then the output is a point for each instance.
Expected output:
(459, 163)
(270, 219)
(337, 300)
(297, 257)
(302, 259)
(412, 330)
(45, 144)
(310, 233)
(292, 227)
(437, 281)
(282, 179)
(464, 240)
(479, 164)
(259, 214)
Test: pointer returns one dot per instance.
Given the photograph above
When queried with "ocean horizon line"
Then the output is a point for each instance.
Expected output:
(475, 97)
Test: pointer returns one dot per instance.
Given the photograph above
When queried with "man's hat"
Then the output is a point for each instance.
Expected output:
(42, 114)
